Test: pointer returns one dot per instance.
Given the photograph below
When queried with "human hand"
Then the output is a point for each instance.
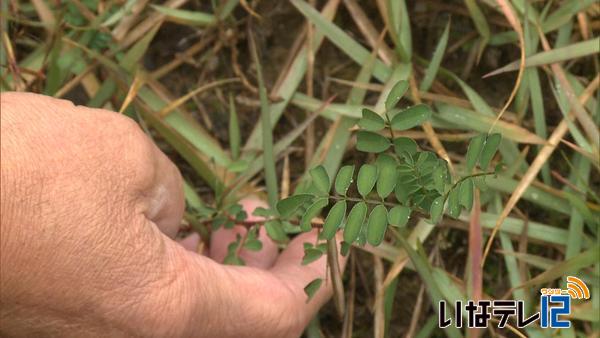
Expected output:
(89, 210)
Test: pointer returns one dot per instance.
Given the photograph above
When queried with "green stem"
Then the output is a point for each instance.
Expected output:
(455, 185)
(389, 126)
(355, 199)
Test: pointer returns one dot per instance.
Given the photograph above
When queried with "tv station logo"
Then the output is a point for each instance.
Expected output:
(554, 304)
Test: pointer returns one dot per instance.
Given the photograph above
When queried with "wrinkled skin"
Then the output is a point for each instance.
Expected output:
(89, 210)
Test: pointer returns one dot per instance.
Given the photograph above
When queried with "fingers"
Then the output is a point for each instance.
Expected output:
(190, 242)
(221, 238)
(264, 303)
(289, 269)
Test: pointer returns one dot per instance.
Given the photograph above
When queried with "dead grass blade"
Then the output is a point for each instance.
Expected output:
(366, 27)
(537, 164)
(13, 66)
(285, 178)
(76, 80)
(136, 84)
(128, 20)
(45, 14)
(336, 277)
(154, 19)
(588, 124)
(379, 305)
(181, 58)
(416, 313)
(178, 102)
(475, 280)
(309, 135)
(349, 317)
(513, 19)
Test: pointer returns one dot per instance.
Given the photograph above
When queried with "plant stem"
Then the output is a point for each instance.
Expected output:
(455, 185)
(368, 201)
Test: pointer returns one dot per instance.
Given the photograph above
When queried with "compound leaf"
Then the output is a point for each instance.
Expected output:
(334, 219)
(411, 117)
(311, 255)
(370, 142)
(275, 231)
(313, 211)
(437, 208)
(344, 179)
(388, 176)
(371, 121)
(489, 150)
(474, 150)
(355, 221)
(396, 93)
(311, 288)
(405, 187)
(320, 178)
(439, 178)
(453, 203)
(287, 206)
(399, 215)
(465, 193)
(405, 144)
(367, 176)
(253, 245)
(377, 225)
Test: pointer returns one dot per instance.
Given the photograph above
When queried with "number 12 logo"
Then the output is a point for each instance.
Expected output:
(550, 313)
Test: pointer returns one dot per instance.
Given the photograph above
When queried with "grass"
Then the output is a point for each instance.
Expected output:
(191, 72)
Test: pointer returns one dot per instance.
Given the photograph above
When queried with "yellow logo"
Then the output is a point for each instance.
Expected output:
(576, 288)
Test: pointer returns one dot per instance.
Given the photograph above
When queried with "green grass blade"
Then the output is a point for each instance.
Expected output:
(539, 116)
(532, 194)
(535, 230)
(509, 151)
(575, 263)
(480, 22)
(574, 51)
(185, 17)
(461, 118)
(423, 267)
(136, 52)
(436, 60)
(188, 128)
(227, 9)
(388, 299)
(184, 148)
(400, 28)
(293, 78)
(338, 37)
(565, 13)
(234, 130)
(581, 169)
(428, 329)
(267, 132)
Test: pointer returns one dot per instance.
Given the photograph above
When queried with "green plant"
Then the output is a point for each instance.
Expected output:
(401, 180)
